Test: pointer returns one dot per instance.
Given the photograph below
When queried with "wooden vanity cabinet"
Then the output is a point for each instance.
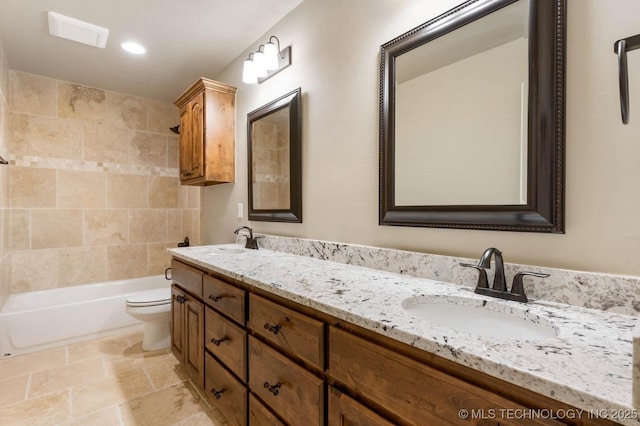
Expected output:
(187, 332)
(207, 133)
(344, 410)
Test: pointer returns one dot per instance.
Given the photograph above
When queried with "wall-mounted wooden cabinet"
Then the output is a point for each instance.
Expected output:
(207, 133)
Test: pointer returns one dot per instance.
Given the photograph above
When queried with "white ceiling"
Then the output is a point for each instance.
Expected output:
(185, 40)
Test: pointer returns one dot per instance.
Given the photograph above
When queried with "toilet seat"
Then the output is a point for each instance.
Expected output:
(157, 297)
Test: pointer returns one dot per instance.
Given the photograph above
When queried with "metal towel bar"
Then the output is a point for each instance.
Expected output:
(621, 47)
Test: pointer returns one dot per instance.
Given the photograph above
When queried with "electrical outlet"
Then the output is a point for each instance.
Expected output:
(240, 210)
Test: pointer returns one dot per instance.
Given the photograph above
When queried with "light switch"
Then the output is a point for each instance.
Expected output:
(240, 210)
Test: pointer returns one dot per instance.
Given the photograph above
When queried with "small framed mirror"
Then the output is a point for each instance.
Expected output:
(274, 151)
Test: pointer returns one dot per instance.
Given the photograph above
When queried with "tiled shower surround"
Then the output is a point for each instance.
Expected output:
(4, 185)
(94, 194)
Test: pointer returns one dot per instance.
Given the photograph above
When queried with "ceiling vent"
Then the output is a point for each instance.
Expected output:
(77, 30)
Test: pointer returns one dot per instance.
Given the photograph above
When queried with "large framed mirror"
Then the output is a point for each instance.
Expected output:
(472, 119)
(274, 151)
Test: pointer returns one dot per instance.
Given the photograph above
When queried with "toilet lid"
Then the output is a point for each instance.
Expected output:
(154, 297)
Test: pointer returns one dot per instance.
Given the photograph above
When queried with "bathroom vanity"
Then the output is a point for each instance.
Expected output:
(275, 338)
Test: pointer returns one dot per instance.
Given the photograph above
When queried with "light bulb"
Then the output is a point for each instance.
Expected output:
(248, 72)
(259, 65)
(271, 55)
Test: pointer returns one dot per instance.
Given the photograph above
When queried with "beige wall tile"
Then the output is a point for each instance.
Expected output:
(159, 257)
(194, 197)
(30, 187)
(80, 189)
(81, 102)
(163, 192)
(191, 225)
(48, 409)
(74, 374)
(147, 226)
(126, 261)
(126, 191)
(32, 94)
(174, 225)
(107, 144)
(34, 270)
(82, 265)
(53, 228)
(172, 152)
(106, 227)
(148, 149)
(20, 229)
(18, 143)
(126, 111)
(162, 116)
(47, 137)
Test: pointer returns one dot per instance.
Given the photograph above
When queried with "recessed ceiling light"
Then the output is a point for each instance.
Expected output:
(133, 47)
(77, 30)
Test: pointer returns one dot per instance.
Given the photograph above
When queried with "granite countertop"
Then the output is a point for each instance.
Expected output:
(587, 365)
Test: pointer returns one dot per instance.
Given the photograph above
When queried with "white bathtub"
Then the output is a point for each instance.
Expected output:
(44, 319)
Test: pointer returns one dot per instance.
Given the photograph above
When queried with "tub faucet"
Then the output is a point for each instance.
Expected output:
(252, 243)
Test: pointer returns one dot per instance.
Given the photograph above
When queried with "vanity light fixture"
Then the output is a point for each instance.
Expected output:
(266, 62)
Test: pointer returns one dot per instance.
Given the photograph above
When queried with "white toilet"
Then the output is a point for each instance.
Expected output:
(153, 308)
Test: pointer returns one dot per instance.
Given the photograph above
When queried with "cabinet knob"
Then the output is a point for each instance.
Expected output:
(181, 299)
(275, 329)
(218, 342)
(186, 174)
(274, 389)
(217, 393)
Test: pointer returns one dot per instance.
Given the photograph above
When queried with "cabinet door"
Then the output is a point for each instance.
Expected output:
(345, 411)
(192, 139)
(194, 339)
(177, 327)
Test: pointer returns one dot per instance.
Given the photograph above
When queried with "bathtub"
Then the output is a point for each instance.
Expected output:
(44, 319)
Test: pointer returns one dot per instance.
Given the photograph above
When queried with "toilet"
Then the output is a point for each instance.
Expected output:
(153, 308)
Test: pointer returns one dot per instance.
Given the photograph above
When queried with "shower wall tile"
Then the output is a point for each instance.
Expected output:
(93, 190)
(32, 94)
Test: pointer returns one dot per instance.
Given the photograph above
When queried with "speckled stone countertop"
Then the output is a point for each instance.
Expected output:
(587, 365)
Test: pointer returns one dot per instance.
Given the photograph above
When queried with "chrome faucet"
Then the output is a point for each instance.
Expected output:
(252, 243)
(499, 287)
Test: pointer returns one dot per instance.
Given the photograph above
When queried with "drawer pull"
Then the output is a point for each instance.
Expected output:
(274, 389)
(219, 341)
(275, 329)
(216, 298)
(217, 393)
(181, 299)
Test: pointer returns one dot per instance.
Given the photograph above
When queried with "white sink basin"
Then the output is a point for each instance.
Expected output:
(225, 250)
(481, 317)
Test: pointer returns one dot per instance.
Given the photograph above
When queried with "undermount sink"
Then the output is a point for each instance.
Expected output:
(481, 317)
(225, 250)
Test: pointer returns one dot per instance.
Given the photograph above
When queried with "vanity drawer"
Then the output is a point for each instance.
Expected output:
(259, 415)
(226, 341)
(295, 394)
(186, 277)
(225, 298)
(344, 410)
(293, 332)
(412, 391)
(225, 392)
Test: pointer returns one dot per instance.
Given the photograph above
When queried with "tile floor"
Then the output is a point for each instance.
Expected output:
(109, 381)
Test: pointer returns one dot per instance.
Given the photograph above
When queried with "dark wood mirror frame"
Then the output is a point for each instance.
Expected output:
(544, 210)
(293, 101)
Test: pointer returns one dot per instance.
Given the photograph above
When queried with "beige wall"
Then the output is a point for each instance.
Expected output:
(92, 186)
(4, 185)
(335, 61)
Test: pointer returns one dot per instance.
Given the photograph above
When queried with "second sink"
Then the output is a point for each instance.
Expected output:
(481, 317)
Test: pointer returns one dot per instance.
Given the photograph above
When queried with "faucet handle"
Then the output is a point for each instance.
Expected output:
(518, 287)
(482, 276)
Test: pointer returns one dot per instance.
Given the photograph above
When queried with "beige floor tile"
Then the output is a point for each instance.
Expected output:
(165, 407)
(107, 417)
(204, 418)
(29, 363)
(165, 371)
(112, 346)
(74, 374)
(126, 386)
(46, 410)
(133, 358)
(13, 390)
